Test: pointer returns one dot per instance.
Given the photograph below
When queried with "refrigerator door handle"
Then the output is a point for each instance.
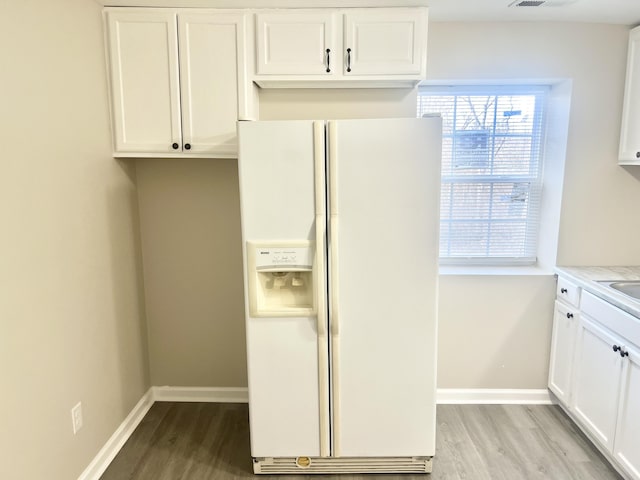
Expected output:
(333, 287)
(320, 276)
(333, 227)
(320, 224)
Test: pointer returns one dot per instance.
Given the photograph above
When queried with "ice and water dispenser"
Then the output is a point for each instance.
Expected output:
(281, 282)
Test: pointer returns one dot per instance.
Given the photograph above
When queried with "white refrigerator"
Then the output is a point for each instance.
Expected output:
(340, 242)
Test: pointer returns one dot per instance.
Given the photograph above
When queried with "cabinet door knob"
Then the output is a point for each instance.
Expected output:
(175, 146)
(328, 60)
(187, 146)
(616, 348)
(348, 59)
(563, 290)
(623, 353)
(637, 154)
(569, 315)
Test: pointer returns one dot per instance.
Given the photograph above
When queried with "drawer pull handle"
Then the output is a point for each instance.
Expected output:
(616, 348)
(569, 315)
(563, 290)
(623, 353)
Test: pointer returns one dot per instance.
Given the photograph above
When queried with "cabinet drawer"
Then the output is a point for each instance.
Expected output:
(615, 319)
(566, 311)
(568, 292)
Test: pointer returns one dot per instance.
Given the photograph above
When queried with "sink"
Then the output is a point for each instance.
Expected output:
(629, 288)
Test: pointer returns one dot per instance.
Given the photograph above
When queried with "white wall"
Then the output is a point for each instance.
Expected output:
(594, 229)
(494, 331)
(190, 223)
(500, 339)
(71, 314)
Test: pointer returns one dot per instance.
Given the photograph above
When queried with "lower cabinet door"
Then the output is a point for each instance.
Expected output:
(627, 441)
(565, 320)
(597, 376)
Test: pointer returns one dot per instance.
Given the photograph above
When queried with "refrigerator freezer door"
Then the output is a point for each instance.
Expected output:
(288, 385)
(384, 200)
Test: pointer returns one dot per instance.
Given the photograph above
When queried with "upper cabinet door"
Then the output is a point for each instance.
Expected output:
(630, 133)
(296, 43)
(143, 54)
(385, 42)
(212, 47)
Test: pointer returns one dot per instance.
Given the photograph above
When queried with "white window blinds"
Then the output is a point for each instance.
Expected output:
(491, 171)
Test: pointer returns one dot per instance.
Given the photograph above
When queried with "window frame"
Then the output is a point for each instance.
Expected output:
(534, 178)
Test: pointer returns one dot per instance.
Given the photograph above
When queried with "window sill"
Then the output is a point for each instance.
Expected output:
(480, 270)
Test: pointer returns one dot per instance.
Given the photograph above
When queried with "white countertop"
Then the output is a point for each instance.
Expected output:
(587, 278)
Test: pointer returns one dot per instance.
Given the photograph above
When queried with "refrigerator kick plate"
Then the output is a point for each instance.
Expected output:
(336, 465)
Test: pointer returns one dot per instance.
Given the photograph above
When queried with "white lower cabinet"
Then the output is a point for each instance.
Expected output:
(627, 442)
(597, 375)
(565, 319)
(594, 371)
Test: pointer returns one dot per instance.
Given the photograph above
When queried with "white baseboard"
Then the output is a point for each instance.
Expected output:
(110, 449)
(493, 396)
(444, 395)
(201, 394)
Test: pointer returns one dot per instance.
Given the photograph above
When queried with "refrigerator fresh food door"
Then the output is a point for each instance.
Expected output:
(384, 178)
(287, 356)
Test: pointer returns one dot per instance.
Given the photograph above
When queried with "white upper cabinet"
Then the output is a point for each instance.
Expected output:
(178, 81)
(145, 95)
(384, 42)
(296, 43)
(374, 47)
(630, 132)
(210, 46)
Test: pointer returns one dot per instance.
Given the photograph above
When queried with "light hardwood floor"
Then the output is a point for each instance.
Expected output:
(198, 441)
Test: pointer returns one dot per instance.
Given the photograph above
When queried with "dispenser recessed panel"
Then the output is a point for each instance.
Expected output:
(281, 279)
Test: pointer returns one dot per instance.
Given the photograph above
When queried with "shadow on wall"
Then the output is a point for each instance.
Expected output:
(192, 262)
(128, 298)
(632, 170)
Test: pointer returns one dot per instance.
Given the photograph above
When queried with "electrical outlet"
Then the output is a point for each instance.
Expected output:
(76, 417)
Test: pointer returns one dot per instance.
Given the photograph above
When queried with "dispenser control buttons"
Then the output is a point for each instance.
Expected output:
(294, 258)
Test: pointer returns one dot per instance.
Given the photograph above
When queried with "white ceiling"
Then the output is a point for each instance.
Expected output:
(625, 12)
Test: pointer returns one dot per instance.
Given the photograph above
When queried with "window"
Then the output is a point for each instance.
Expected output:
(491, 171)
